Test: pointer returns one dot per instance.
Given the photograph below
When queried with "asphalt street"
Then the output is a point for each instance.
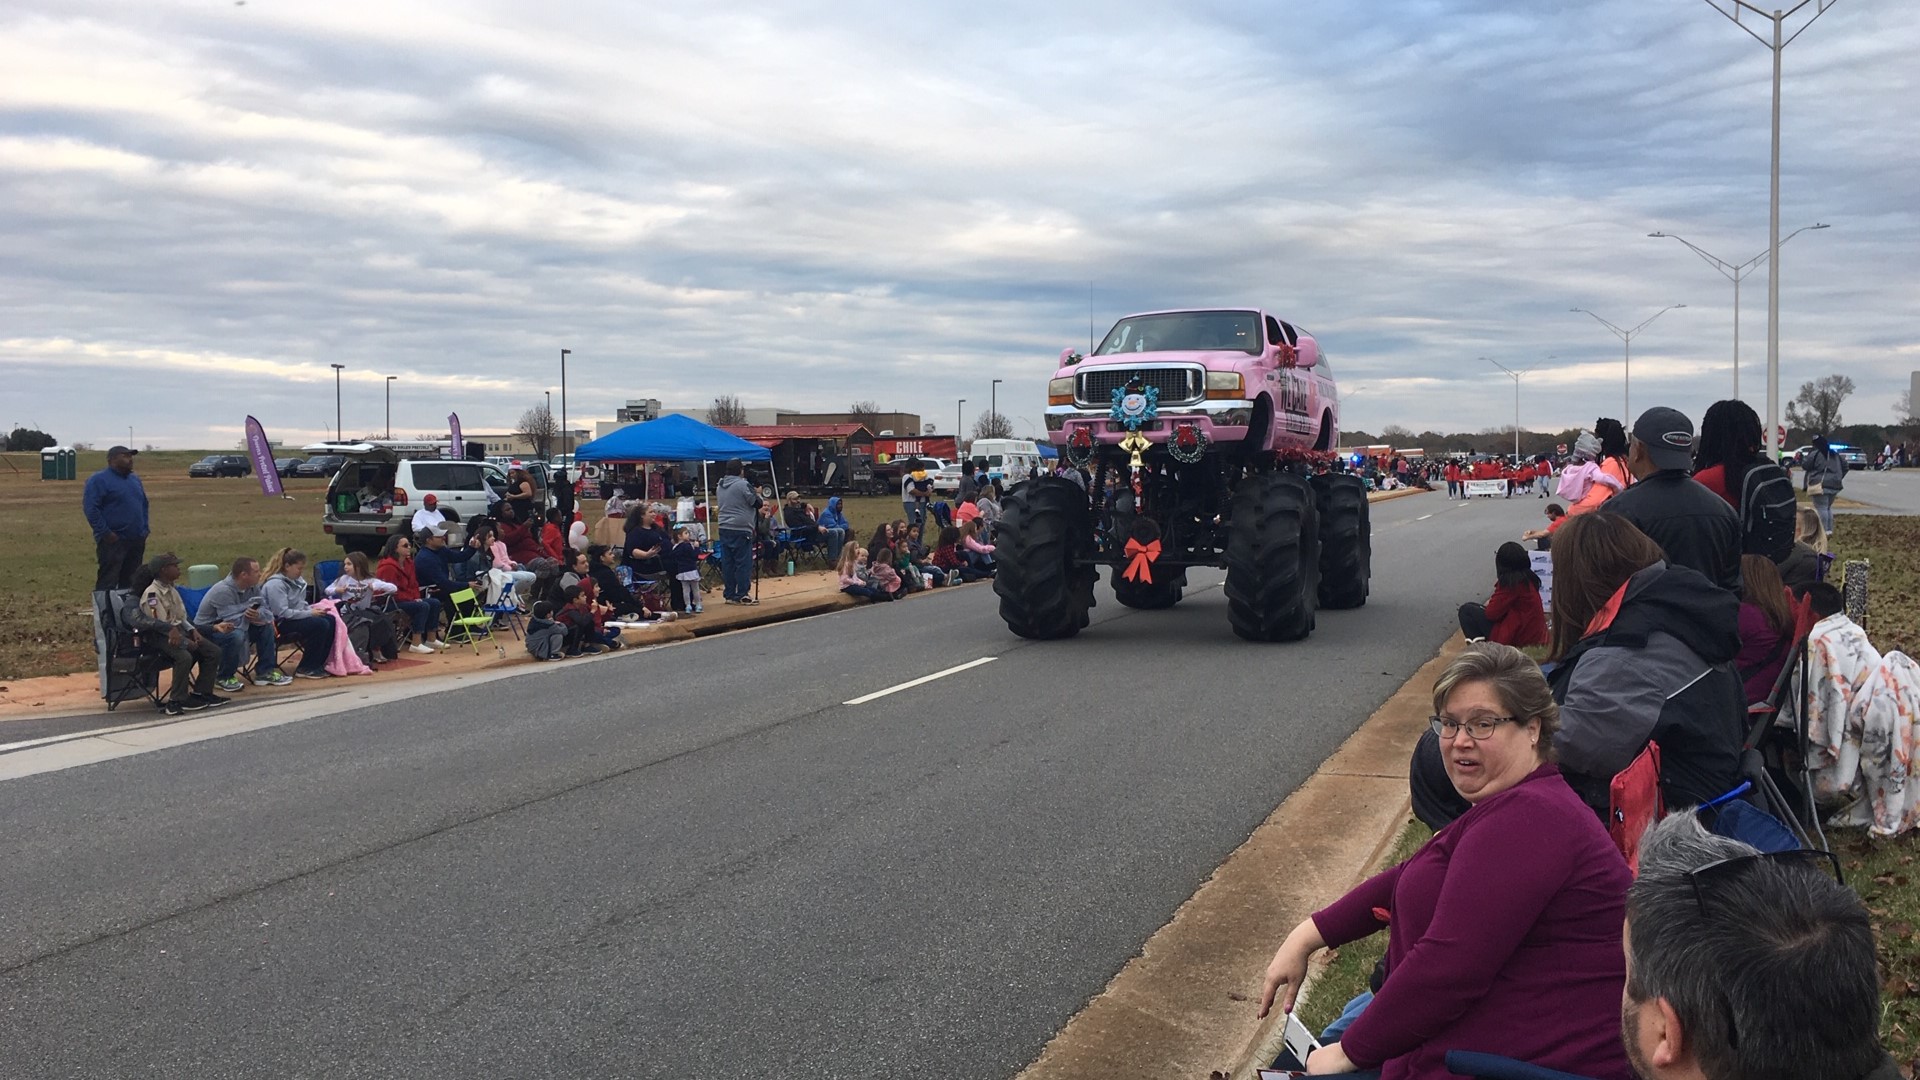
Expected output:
(1894, 492)
(695, 861)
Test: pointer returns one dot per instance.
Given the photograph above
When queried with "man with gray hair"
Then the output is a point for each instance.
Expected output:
(1747, 966)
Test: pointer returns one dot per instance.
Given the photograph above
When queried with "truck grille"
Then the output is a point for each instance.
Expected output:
(1177, 385)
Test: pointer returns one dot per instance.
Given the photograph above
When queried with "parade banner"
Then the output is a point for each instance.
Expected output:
(260, 452)
(459, 448)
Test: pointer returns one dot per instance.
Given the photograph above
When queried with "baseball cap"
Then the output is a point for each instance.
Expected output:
(1668, 436)
(430, 500)
(165, 558)
(116, 451)
(437, 530)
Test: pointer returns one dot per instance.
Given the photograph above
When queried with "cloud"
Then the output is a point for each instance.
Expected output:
(809, 204)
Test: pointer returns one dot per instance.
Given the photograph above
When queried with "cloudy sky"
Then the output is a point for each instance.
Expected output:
(203, 204)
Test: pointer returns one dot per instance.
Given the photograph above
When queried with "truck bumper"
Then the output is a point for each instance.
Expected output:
(1221, 421)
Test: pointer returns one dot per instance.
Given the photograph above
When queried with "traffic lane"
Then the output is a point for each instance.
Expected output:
(1064, 887)
(106, 847)
(1894, 491)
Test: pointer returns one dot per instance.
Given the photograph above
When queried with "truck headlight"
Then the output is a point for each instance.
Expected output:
(1225, 384)
(1060, 391)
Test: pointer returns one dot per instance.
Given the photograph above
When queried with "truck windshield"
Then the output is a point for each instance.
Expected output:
(1185, 331)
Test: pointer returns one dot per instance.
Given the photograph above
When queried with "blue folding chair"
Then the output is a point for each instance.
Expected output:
(506, 609)
(1495, 1067)
(325, 571)
(191, 598)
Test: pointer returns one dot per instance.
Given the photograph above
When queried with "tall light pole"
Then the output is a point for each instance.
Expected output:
(390, 379)
(1627, 336)
(959, 432)
(565, 436)
(1734, 274)
(338, 431)
(993, 399)
(1733, 9)
(1516, 399)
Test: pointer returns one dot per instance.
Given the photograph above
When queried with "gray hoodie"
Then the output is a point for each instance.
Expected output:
(737, 501)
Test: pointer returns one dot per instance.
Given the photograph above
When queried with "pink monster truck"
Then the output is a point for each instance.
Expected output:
(1206, 435)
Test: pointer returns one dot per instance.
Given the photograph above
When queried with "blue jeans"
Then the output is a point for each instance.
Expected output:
(836, 539)
(1823, 505)
(233, 647)
(423, 615)
(736, 563)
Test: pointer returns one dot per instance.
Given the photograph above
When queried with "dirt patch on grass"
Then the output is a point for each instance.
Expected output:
(1892, 547)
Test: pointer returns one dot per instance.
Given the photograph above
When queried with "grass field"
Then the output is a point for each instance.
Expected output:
(47, 548)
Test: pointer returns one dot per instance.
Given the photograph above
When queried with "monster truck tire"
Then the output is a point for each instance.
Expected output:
(1346, 541)
(1040, 546)
(1272, 558)
(1163, 591)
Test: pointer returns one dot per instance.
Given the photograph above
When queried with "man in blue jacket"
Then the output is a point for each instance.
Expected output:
(443, 568)
(115, 503)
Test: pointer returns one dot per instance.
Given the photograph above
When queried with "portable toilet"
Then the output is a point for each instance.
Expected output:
(57, 463)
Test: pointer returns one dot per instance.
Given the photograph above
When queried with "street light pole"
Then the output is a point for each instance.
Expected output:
(390, 379)
(338, 431)
(565, 436)
(1733, 9)
(958, 430)
(993, 399)
(1735, 274)
(1516, 399)
(1627, 336)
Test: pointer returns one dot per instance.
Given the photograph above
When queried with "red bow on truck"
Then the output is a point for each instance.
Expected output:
(1143, 556)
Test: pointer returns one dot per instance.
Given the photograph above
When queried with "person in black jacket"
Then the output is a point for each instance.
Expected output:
(1642, 650)
(1693, 526)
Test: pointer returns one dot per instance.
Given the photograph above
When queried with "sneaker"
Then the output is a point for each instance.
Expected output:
(230, 685)
(191, 703)
(701, 610)
(276, 677)
(424, 650)
(208, 701)
(300, 674)
(748, 600)
(439, 645)
(172, 708)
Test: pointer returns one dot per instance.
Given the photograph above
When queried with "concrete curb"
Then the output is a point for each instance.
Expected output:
(1185, 1005)
(1389, 496)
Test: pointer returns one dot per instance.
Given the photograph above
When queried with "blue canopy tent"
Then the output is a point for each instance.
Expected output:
(672, 438)
(1048, 450)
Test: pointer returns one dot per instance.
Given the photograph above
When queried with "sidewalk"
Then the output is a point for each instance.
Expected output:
(60, 704)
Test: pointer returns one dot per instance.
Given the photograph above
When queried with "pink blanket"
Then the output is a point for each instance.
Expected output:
(343, 660)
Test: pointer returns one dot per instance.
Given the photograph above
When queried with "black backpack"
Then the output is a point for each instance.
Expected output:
(1768, 513)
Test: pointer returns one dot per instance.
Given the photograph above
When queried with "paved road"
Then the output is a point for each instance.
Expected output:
(1894, 492)
(695, 861)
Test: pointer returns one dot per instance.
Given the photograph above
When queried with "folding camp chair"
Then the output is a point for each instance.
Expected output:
(1766, 750)
(128, 668)
(506, 609)
(325, 571)
(470, 623)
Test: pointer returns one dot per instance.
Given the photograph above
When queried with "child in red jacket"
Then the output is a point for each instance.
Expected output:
(1513, 615)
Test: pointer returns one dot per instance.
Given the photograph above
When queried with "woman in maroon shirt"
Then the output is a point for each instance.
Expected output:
(1504, 929)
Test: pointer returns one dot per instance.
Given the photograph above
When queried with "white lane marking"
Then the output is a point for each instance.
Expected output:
(1423, 517)
(911, 683)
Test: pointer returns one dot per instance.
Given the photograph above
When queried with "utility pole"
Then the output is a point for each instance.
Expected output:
(993, 399)
(390, 379)
(565, 435)
(1734, 274)
(1733, 10)
(339, 432)
(1627, 336)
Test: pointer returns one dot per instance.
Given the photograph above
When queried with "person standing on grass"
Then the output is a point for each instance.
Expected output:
(115, 502)
(162, 615)
(230, 616)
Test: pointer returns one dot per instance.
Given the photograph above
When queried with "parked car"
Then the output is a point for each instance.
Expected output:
(1855, 457)
(946, 479)
(378, 487)
(286, 465)
(220, 465)
(320, 465)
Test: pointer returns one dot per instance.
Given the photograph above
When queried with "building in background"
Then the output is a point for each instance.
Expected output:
(899, 423)
(513, 444)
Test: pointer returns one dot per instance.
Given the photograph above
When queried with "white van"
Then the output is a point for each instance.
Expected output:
(375, 493)
(1008, 460)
